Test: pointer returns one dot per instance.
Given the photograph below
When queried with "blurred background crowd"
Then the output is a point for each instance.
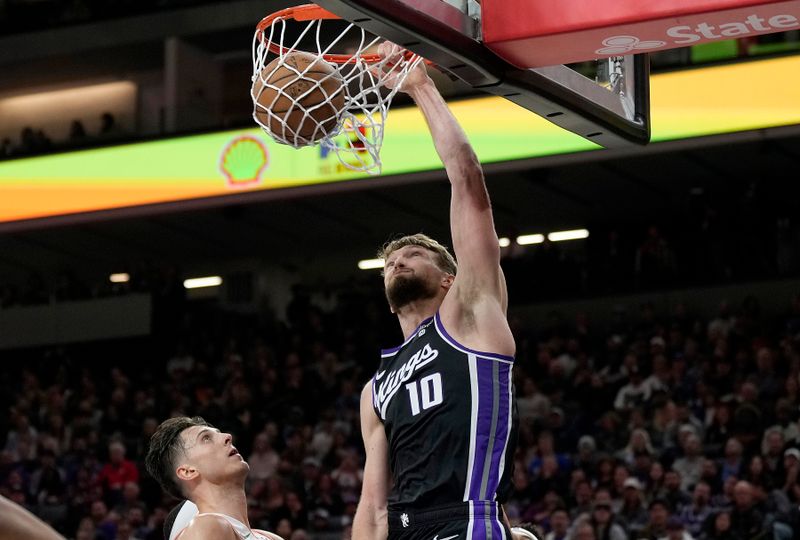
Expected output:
(651, 425)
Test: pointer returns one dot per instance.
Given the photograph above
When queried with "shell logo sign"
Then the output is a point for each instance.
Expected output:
(243, 161)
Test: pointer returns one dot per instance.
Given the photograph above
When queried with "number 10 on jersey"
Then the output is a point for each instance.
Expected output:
(429, 389)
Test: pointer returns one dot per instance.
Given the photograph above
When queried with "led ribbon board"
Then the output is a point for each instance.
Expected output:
(690, 103)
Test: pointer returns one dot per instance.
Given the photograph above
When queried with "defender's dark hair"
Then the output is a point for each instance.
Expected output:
(165, 446)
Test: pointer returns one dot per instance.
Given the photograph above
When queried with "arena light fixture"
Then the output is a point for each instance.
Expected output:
(504, 242)
(200, 282)
(121, 277)
(370, 264)
(528, 239)
(560, 236)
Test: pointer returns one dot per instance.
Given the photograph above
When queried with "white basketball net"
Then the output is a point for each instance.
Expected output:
(354, 133)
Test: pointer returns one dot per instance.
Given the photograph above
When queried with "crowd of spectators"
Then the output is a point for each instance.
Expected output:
(660, 426)
(34, 15)
(34, 141)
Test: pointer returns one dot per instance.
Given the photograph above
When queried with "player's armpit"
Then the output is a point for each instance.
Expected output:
(371, 519)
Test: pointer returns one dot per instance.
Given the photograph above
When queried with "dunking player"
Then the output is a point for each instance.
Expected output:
(193, 460)
(438, 416)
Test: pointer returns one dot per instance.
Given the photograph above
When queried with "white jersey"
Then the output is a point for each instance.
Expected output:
(239, 528)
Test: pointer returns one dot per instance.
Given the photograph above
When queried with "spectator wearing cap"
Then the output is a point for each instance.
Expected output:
(656, 526)
(693, 516)
(791, 462)
(603, 523)
(633, 513)
(676, 530)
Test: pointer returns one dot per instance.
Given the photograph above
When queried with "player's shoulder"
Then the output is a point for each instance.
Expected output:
(269, 535)
(205, 526)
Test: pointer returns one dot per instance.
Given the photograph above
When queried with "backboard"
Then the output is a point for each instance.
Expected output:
(610, 106)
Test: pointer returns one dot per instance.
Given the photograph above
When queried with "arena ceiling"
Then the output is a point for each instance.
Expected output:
(345, 222)
(656, 184)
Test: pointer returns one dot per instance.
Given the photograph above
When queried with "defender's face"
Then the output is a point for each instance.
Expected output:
(211, 455)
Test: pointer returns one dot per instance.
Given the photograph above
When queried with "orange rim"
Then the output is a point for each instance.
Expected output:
(312, 12)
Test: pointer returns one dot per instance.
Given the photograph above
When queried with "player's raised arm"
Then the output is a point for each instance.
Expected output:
(471, 222)
(16, 523)
(371, 519)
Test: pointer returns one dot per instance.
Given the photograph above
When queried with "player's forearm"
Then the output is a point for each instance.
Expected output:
(368, 524)
(16, 523)
(449, 139)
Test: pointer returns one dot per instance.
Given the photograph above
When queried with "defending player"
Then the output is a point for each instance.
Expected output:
(193, 460)
(438, 416)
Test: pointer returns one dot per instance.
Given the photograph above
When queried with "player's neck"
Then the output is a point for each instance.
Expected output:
(221, 499)
(412, 314)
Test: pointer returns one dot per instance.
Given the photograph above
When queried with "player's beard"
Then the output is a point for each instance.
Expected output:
(406, 289)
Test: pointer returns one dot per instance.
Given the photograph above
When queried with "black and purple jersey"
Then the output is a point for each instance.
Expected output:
(449, 418)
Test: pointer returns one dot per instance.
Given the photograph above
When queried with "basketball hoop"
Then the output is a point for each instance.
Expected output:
(368, 84)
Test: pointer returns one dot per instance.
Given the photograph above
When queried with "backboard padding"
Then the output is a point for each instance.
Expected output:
(439, 32)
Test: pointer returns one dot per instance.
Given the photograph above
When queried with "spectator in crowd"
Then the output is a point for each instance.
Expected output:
(603, 522)
(690, 465)
(559, 525)
(676, 530)
(718, 527)
(747, 519)
(264, 459)
(673, 492)
(732, 463)
(639, 442)
(633, 512)
(694, 515)
(772, 448)
(310, 458)
(117, 473)
(633, 394)
(656, 526)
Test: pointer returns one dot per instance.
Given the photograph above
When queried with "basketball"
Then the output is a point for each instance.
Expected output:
(299, 98)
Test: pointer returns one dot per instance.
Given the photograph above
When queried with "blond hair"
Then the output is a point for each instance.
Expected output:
(444, 260)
